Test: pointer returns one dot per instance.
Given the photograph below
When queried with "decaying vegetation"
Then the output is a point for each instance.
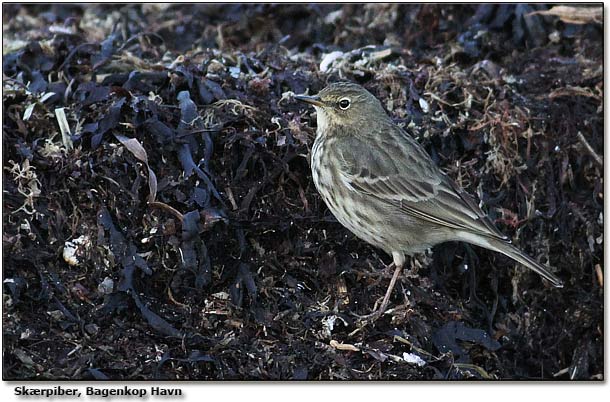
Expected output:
(159, 218)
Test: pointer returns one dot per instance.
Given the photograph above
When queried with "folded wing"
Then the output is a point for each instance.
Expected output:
(402, 174)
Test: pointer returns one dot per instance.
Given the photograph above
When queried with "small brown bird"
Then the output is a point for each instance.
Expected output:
(382, 185)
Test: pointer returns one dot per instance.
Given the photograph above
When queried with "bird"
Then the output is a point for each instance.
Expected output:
(382, 185)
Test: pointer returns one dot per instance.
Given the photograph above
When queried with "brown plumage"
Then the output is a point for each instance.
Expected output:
(383, 186)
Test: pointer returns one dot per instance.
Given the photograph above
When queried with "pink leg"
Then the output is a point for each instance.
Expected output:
(399, 261)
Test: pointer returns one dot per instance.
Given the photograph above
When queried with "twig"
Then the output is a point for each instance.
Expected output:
(169, 208)
(64, 127)
(589, 149)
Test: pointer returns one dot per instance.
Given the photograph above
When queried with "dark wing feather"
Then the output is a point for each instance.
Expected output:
(401, 173)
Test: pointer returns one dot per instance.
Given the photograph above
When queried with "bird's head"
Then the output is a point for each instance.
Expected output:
(345, 104)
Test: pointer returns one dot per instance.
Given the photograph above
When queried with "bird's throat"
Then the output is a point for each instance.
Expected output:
(322, 122)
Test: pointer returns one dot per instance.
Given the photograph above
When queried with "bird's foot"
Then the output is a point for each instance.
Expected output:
(374, 316)
(369, 318)
(378, 312)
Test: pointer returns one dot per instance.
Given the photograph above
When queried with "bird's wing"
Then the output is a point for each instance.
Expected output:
(391, 166)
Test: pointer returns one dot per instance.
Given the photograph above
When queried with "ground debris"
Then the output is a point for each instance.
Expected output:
(160, 221)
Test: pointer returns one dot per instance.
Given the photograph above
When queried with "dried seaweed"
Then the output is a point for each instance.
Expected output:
(165, 225)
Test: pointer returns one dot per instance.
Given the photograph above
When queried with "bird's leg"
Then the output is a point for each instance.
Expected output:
(388, 293)
(399, 262)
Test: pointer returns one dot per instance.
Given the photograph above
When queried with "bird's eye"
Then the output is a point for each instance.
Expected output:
(344, 103)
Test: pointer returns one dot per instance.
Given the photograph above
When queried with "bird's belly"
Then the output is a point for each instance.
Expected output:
(352, 211)
(369, 220)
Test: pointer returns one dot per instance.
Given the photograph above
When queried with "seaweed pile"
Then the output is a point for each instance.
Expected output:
(159, 218)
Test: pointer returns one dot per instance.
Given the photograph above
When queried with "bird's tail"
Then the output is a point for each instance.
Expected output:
(513, 252)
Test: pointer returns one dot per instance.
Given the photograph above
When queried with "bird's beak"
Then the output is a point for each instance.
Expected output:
(312, 100)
